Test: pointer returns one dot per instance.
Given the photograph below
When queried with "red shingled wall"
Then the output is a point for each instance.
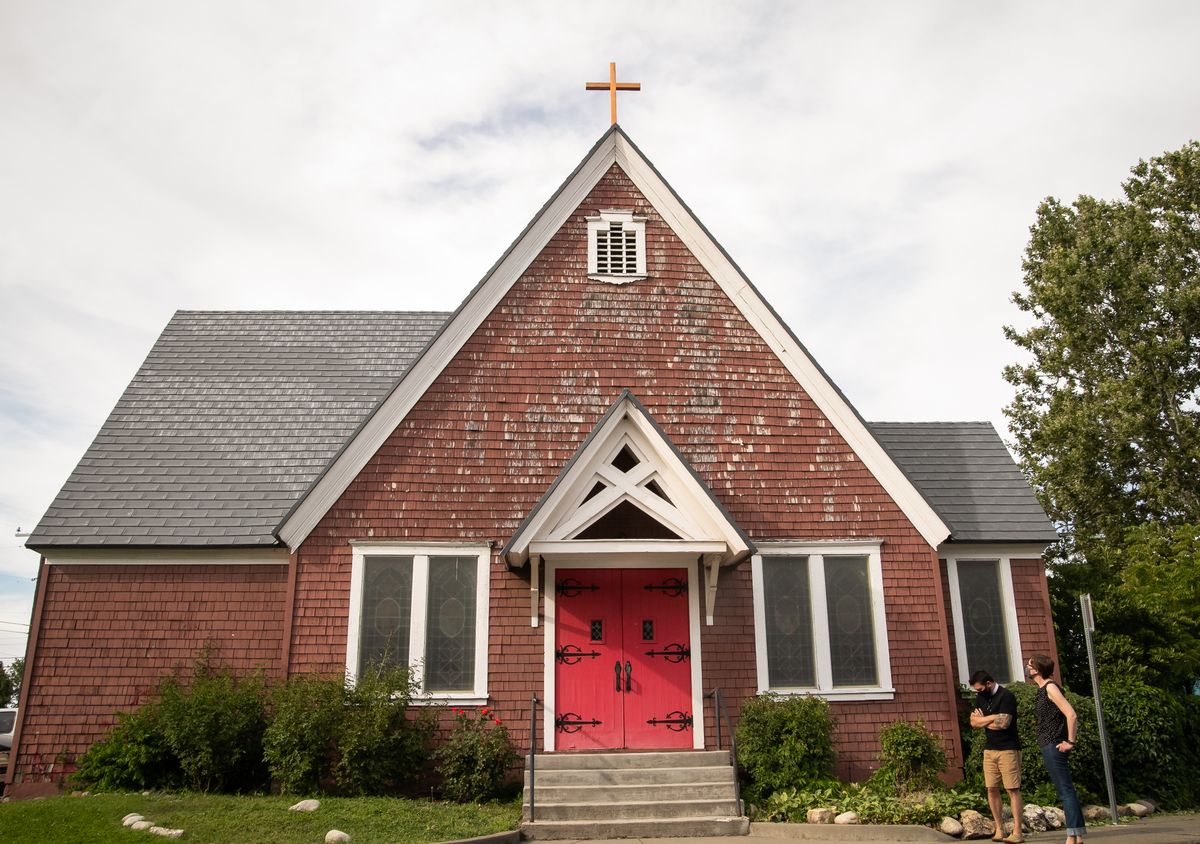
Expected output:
(108, 634)
(1033, 608)
(493, 431)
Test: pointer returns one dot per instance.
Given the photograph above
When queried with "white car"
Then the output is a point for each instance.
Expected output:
(8, 717)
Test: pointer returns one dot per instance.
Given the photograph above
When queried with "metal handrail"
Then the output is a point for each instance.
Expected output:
(719, 713)
(532, 756)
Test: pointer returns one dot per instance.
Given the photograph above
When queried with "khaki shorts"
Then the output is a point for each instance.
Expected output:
(1002, 766)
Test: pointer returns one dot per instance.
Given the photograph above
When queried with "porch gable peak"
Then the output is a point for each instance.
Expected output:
(627, 483)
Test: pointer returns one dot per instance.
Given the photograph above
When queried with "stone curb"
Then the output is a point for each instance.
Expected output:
(511, 837)
(848, 832)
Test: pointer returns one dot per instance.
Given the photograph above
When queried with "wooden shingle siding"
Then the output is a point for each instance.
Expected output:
(1033, 609)
(110, 634)
(484, 442)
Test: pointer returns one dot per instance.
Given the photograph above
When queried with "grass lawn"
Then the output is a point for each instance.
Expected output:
(216, 819)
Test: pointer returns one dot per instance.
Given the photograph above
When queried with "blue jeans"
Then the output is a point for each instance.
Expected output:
(1059, 767)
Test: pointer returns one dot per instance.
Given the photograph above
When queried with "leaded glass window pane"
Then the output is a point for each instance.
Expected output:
(789, 622)
(983, 617)
(450, 624)
(387, 611)
(851, 623)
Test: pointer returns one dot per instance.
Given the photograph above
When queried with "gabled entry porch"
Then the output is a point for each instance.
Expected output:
(629, 538)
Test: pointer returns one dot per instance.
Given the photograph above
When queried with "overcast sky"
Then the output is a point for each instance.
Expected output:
(872, 167)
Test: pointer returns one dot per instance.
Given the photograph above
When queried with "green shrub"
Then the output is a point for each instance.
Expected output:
(791, 805)
(379, 747)
(910, 757)
(784, 742)
(1153, 734)
(304, 717)
(214, 727)
(873, 802)
(133, 756)
(474, 762)
(1148, 730)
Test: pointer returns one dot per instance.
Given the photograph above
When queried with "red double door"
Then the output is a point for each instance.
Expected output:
(622, 659)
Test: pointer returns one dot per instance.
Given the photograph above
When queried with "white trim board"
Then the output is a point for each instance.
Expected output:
(166, 556)
(614, 147)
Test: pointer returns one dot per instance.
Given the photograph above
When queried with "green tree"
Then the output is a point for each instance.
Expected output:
(1106, 417)
(16, 671)
(6, 685)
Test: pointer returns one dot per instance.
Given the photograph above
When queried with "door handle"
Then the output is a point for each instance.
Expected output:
(617, 668)
(628, 675)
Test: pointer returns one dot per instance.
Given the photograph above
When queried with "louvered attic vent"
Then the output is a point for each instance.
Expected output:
(616, 247)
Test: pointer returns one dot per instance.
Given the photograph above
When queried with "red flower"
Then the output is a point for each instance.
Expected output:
(497, 721)
(484, 712)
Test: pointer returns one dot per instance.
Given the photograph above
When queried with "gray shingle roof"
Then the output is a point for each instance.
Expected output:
(967, 475)
(229, 420)
(233, 415)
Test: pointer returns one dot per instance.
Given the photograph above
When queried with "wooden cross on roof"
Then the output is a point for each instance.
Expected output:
(612, 86)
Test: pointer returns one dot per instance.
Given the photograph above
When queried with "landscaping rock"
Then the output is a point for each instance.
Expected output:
(1096, 813)
(820, 816)
(1152, 804)
(166, 833)
(1139, 810)
(140, 825)
(1034, 819)
(305, 806)
(1124, 812)
(336, 836)
(1056, 818)
(846, 817)
(951, 827)
(131, 818)
(975, 825)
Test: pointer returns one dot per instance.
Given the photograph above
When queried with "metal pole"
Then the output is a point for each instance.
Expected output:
(1089, 625)
(717, 714)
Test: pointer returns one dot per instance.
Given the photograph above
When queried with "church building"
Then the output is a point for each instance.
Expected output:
(613, 478)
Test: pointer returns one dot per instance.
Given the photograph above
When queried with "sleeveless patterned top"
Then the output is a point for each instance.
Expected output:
(1051, 723)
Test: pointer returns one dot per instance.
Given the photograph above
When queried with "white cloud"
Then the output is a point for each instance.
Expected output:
(873, 168)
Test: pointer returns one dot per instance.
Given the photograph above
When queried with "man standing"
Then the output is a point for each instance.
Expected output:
(996, 714)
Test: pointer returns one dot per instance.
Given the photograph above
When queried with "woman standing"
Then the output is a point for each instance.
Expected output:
(1056, 731)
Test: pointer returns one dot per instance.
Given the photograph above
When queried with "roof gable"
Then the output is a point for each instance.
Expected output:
(627, 462)
(614, 148)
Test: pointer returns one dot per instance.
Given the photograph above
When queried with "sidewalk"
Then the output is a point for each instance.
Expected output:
(1155, 829)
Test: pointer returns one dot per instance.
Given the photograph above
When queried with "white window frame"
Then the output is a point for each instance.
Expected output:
(421, 553)
(1012, 633)
(630, 223)
(823, 663)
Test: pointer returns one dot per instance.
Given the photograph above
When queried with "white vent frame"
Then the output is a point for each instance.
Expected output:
(598, 226)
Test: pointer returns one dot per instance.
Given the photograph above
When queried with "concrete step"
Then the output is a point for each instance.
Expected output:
(632, 776)
(636, 810)
(668, 828)
(653, 759)
(662, 792)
